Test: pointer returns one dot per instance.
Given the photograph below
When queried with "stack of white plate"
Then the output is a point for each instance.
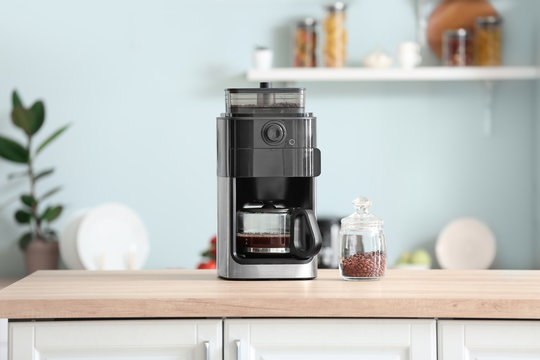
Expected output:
(107, 237)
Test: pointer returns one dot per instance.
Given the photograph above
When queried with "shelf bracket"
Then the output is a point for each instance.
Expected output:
(489, 87)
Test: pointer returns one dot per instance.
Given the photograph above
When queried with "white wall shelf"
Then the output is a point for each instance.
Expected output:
(435, 73)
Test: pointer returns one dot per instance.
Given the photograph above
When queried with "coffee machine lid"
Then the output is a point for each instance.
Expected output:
(264, 99)
(265, 87)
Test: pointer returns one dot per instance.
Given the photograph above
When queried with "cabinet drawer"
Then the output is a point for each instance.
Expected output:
(123, 339)
(489, 340)
(287, 339)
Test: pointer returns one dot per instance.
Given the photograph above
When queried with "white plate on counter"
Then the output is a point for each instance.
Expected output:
(466, 243)
(108, 237)
(68, 241)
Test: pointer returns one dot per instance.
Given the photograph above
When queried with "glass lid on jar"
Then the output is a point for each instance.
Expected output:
(361, 219)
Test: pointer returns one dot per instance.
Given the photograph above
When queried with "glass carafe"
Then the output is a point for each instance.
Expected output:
(272, 231)
(363, 245)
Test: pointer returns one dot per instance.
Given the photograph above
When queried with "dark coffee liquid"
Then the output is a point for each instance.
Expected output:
(259, 242)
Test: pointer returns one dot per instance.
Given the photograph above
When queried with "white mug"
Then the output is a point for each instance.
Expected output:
(262, 59)
(409, 55)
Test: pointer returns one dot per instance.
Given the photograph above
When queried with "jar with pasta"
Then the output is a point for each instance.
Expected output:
(305, 43)
(488, 41)
(335, 41)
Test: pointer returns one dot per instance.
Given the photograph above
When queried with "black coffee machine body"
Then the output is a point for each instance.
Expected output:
(267, 165)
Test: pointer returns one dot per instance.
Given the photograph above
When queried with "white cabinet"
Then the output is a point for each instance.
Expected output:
(275, 339)
(313, 339)
(118, 340)
(3, 339)
(489, 340)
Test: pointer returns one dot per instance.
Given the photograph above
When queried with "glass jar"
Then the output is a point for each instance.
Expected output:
(305, 43)
(335, 41)
(362, 243)
(458, 48)
(488, 41)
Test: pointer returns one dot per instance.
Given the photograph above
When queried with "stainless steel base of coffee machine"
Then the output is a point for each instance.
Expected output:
(234, 271)
(228, 267)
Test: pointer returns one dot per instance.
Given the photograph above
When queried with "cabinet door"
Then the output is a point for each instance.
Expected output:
(314, 339)
(3, 339)
(118, 340)
(489, 340)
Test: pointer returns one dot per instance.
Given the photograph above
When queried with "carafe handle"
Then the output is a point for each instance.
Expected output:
(313, 241)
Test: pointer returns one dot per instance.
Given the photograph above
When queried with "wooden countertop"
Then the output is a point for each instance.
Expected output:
(511, 294)
(6, 282)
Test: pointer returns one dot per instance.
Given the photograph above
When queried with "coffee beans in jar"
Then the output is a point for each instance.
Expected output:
(362, 243)
(369, 265)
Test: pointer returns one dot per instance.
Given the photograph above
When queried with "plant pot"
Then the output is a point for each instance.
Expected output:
(41, 255)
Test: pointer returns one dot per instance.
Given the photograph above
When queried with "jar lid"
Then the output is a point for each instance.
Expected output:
(362, 219)
(306, 22)
(337, 6)
(457, 34)
(488, 20)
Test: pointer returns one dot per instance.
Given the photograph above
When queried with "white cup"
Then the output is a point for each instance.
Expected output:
(262, 59)
(409, 55)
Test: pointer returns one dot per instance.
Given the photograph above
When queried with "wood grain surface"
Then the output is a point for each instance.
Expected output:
(61, 294)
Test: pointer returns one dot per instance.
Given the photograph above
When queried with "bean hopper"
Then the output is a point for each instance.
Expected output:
(267, 165)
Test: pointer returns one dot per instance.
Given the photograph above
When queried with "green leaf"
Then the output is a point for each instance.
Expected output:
(13, 151)
(28, 200)
(38, 117)
(22, 118)
(23, 217)
(51, 213)
(16, 100)
(51, 138)
(50, 193)
(43, 173)
(25, 240)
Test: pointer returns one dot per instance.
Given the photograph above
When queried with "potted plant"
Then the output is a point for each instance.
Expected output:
(39, 243)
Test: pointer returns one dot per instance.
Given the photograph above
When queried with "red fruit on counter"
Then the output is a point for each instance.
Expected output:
(210, 264)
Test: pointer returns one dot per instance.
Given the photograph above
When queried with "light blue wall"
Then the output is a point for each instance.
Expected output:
(142, 82)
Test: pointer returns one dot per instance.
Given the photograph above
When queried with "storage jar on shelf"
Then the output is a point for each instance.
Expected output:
(458, 49)
(305, 43)
(335, 41)
(488, 41)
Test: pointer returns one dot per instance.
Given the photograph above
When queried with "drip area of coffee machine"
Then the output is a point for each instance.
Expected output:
(267, 165)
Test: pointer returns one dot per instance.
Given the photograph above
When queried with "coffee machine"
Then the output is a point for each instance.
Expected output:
(267, 162)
